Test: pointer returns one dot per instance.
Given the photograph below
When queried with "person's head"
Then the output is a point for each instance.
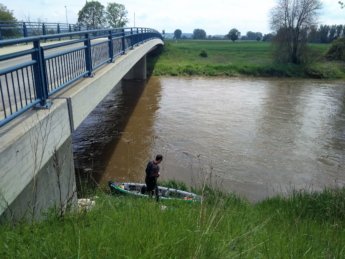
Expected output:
(159, 158)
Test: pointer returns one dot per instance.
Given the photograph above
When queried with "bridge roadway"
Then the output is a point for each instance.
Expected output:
(36, 160)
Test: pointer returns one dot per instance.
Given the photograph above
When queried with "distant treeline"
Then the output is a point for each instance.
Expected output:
(326, 33)
(315, 34)
(319, 34)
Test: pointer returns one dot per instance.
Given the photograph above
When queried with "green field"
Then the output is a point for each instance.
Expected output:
(222, 226)
(225, 58)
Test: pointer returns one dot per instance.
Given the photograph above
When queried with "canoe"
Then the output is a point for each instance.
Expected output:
(165, 193)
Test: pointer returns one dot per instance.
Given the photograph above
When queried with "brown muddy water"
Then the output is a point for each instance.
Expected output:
(254, 137)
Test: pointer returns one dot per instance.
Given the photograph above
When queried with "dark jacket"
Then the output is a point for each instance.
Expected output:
(152, 169)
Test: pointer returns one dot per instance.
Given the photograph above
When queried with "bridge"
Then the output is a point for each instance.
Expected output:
(48, 86)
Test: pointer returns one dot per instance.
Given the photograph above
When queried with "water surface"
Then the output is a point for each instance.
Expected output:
(256, 137)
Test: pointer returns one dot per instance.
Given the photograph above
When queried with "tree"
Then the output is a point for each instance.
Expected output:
(7, 16)
(291, 19)
(314, 35)
(254, 36)
(268, 37)
(177, 34)
(339, 30)
(234, 34)
(342, 4)
(116, 15)
(324, 32)
(199, 34)
(92, 15)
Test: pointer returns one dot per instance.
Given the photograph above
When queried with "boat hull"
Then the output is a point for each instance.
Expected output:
(164, 193)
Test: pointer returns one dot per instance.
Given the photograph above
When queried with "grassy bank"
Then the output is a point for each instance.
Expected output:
(225, 58)
(302, 226)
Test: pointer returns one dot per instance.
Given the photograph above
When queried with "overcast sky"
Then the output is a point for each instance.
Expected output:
(214, 16)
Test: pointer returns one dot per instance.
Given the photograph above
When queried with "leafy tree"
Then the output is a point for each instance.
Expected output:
(332, 33)
(234, 34)
(324, 32)
(92, 15)
(177, 34)
(254, 35)
(268, 37)
(199, 34)
(7, 16)
(291, 19)
(342, 4)
(116, 15)
(314, 35)
(339, 30)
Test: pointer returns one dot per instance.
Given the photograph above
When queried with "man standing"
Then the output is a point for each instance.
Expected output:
(152, 173)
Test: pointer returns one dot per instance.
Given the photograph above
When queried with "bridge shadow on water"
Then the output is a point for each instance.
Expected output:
(125, 115)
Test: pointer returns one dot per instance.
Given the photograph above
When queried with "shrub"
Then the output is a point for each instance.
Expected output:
(337, 50)
(203, 54)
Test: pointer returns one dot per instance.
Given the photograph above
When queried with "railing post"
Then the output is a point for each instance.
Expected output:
(58, 29)
(142, 36)
(111, 47)
(41, 84)
(43, 29)
(25, 30)
(123, 41)
(88, 57)
(132, 45)
(70, 30)
(137, 40)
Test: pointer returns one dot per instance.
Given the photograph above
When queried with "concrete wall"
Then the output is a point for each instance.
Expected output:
(31, 143)
(52, 187)
(26, 146)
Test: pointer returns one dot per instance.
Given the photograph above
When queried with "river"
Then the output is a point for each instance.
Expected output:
(255, 137)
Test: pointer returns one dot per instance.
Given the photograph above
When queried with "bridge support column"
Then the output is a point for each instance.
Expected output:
(52, 187)
(138, 71)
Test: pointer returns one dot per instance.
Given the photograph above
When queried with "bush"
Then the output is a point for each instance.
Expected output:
(203, 54)
(337, 50)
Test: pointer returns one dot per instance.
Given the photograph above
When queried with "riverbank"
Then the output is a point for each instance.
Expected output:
(225, 58)
(222, 226)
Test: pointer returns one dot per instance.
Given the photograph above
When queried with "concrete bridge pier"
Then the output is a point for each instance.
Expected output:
(53, 187)
(138, 71)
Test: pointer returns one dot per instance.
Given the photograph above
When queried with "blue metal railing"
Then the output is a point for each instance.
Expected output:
(10, 29)
(30, 76)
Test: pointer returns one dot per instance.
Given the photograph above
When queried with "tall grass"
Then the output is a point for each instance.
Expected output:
(225, 58)
(222, 226)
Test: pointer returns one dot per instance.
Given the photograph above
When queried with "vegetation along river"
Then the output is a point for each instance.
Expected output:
(254, 137)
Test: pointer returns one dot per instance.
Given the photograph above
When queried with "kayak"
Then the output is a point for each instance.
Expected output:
(164, 193)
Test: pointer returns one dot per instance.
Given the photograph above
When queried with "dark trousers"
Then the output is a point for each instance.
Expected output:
(151, 185)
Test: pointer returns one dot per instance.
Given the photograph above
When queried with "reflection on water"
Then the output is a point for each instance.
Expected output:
(114, 140)
(253, 136)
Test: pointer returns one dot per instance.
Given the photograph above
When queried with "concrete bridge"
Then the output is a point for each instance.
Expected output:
(36, 160)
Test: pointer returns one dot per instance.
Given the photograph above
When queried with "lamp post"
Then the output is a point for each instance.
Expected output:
(66, 14)
(134, 19)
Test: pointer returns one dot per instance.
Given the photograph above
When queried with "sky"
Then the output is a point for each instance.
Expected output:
(216, 17)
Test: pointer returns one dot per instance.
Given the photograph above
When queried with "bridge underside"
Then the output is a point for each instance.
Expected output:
(36, 160)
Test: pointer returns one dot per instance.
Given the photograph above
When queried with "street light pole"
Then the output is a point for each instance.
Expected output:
(134, 19)
(66, 14)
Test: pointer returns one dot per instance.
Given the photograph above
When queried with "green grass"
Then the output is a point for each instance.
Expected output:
(222, 226)
(225, 58)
